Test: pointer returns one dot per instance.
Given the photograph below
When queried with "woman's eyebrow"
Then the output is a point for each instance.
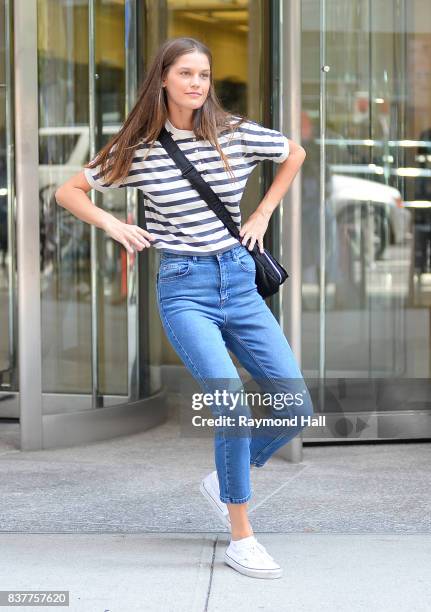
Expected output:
(187, 68)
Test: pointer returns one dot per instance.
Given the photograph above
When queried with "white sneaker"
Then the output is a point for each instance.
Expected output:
(210, 489)
(251, 558)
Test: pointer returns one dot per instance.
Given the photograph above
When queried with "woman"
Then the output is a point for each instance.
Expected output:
(207, 296)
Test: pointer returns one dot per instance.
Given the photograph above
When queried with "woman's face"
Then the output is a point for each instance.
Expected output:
(190, 73)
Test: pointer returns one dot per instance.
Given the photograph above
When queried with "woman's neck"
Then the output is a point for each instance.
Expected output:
(182, 120)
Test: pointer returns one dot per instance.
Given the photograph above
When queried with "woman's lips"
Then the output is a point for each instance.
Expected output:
(194, 95)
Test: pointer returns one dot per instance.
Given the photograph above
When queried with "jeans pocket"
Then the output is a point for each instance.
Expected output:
(173, 270)
(246, 261)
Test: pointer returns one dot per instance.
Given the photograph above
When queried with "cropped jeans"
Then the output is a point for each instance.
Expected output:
(209, 305)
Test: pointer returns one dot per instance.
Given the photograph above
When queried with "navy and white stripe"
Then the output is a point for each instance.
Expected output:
(175, 213)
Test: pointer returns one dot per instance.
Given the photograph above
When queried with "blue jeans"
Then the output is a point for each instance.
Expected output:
(209, 304)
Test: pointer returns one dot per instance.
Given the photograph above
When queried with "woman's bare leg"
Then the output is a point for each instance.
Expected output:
(241, 527)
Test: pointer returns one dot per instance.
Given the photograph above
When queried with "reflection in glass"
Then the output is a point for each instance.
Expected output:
(63, 61)
(374, 144)
(8, 370)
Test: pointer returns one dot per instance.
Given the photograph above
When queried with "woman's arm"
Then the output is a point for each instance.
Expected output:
(257, 223)
(284, 176)
(72, 195)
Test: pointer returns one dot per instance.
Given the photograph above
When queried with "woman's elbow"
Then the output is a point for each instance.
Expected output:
(58, 195)
(67, 190)
(296, 149)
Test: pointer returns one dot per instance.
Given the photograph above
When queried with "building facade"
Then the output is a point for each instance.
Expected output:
(82, 350)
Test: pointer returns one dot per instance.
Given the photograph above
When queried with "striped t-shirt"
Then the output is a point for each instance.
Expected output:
(176, 215)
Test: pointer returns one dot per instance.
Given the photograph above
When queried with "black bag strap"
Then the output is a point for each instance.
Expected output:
(201, 186)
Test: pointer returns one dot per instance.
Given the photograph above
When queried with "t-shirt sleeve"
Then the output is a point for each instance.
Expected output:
(260, 143)
(99, 182)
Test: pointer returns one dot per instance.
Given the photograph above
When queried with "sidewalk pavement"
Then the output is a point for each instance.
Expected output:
(176, 572)
(122, 525)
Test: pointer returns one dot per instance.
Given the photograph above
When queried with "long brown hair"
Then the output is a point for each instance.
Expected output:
(150, 112)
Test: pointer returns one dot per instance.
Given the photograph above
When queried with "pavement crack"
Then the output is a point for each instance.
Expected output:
(211, 575)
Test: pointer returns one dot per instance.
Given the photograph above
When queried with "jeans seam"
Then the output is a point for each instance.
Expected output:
(235, 500)
(179, 343)
(198, 375)
(225, 461)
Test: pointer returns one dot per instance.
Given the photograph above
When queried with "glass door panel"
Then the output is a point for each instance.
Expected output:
(87, 59)
(8, 321)
(365, 121)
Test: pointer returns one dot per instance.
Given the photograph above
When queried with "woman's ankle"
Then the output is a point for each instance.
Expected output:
(239, 535)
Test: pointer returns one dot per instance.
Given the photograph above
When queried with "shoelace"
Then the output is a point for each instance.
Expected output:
(263, 549)
(254, 547)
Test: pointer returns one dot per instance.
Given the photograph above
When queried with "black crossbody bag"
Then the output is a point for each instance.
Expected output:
(270, 274)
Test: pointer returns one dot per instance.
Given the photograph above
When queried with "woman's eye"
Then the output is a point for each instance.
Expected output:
(203, 75)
